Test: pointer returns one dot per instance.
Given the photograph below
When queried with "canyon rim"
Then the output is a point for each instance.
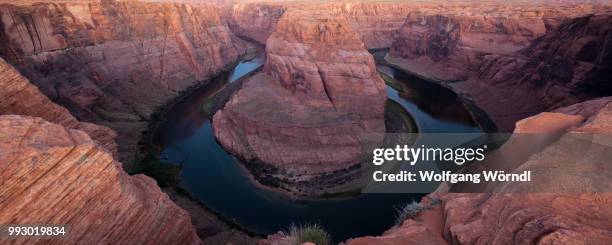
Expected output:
(250, 122)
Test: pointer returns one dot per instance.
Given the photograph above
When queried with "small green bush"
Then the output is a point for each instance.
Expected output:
(409, 211)
(309, 233)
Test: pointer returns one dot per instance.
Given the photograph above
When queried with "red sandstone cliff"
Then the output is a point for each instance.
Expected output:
(569, 64)
(515, 63)
(19, 97)
(114, 63)
(256, 21)
(51, 174)
(307, 113)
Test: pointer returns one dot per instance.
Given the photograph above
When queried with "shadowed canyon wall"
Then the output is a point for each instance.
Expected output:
(114, 63)
(19, 97)
(567, 65)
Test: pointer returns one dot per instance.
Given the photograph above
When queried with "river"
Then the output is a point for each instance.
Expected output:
(218, 180)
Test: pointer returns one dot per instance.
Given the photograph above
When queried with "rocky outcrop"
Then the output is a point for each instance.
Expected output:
(19, 97)
(434, 36)
(495, 26)
(376, 23)
(569, 211)
(255, 21)
(51, 174)
(114, 63)
(450, 47)
(307, 113)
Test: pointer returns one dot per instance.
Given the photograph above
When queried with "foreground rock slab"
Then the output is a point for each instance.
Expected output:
(19, 97)
(50, 174)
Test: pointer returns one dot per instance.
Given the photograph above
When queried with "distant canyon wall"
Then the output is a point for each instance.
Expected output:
(378, 23)
(567, 65)
(256, 21)
(564, 65)
(114, 63)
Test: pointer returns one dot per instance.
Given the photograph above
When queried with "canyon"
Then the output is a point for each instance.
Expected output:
(82, 82)
(115, 63)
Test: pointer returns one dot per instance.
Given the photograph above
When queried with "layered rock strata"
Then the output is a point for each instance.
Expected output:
(307, 113)
(569, 64)
(19, 97)
(255, 21)
(564, 212)
(51, 174)
(378, 23)
(449, 47)
(114, 63)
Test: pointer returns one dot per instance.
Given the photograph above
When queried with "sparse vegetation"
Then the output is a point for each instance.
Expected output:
(309, 233)
(409, 211)
(165, 174)
(116, 116)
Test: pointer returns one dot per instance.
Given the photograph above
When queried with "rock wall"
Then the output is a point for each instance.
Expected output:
(255, 21)
(567, 65)
(378, 23)
(19, 97)
(375, 22)
(504, 55)
(58, 175)
(569, 214)
(450, 47)
(317, 97)
(114, 63)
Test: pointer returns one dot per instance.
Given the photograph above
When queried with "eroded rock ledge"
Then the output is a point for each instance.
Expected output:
(50, 174)
(305, 115)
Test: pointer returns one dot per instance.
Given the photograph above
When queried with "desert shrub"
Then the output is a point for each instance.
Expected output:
(409, 211)
(309, 233)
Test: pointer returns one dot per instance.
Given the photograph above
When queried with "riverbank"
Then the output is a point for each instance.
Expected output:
(217, 179)
(478, 114)
(211, 226)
